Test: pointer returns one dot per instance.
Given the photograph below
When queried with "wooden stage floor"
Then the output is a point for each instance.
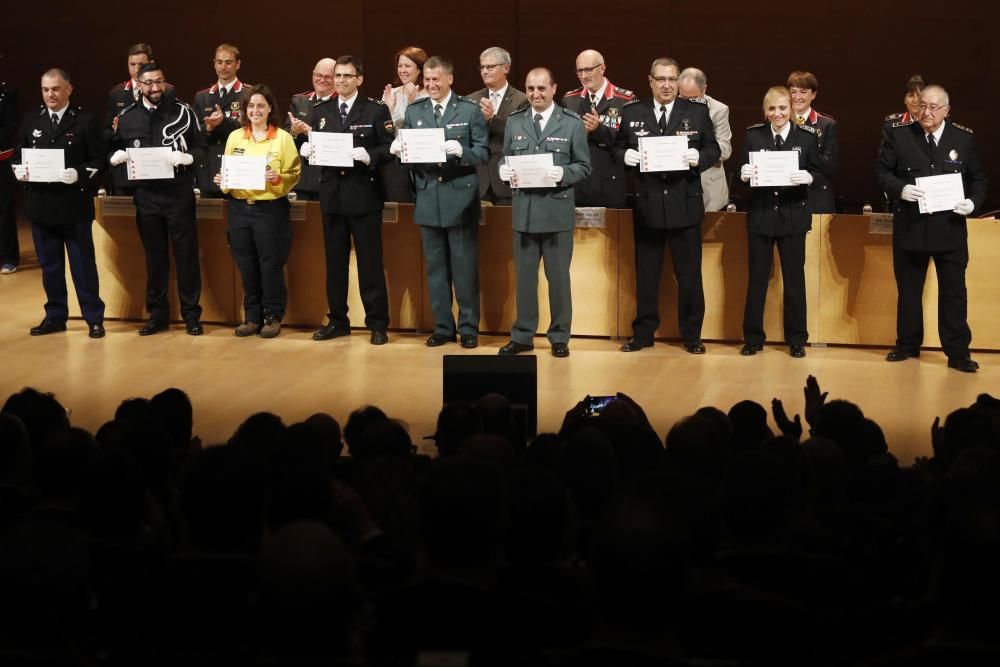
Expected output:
(228, 378)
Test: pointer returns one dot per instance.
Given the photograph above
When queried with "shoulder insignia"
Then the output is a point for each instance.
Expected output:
(697, 100)
(962, 127)
(624, 93)
(630, 103)
(808, 128)
(753, 127)
(374, 101)
(570, 112)
(573, 92)
(521, 110)
(894, 116)
(902, 124)
(305, 94)
(206, 90)
(128, 108)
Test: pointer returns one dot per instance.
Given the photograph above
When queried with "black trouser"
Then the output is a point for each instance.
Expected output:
(52, 245)
(792, 254)
(685, 251)
(166, 217)
(10, 250)
(260, 238)
(366, 231)
(910, 269)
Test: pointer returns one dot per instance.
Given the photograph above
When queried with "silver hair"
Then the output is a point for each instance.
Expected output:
(695, 75)
(934, 88)
(501, 55)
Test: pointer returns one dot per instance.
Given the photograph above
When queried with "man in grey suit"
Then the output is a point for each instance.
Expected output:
(497, 100)
(692, 85)
(447, 204)
(544, 217)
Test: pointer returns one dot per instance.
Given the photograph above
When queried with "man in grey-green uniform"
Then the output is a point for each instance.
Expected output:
(447, 203)
(544, 217)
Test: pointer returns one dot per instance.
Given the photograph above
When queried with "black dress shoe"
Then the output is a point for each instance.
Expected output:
(96, 330)
(560, 350)
(379, 337)
(513, 347)
(437, 340)
(635, 344)
(194, 328)
(751, 349)
(797, 351)
(331, 331)
(153, 327)
(899, 354)
(966, 365)
(469, 341)
(48, 326)
(695, 347)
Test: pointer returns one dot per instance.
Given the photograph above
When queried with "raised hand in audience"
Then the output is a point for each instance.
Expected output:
(789, 427)
(814, 399)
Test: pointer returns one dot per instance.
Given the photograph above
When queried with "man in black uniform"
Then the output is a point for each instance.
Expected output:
(599, 103)
(165, 208)
(669, 206)
(219, 110)
(62, 211)
(930, 147)
(10, 250)
(804, 86)
(351, 200)
(301, 118)
(125, 94)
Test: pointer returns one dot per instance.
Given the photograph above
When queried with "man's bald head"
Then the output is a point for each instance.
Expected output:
(323, 76)
(590, 70)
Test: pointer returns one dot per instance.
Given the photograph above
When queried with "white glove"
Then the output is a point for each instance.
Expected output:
(452, 147)
(305, 150)
(359, 154)
(965, 207)
(911, 193)
(397, 147)
(801, 177)
(632, 157)
(691, 155)
(118, 157)
(555, 173)
(68, 176)
(21, 172)
(746, 171)
(506, 173)
(178, 158)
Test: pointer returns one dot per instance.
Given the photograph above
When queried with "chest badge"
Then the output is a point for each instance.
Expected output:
(419, 123)
(36, 133)
(686, 124)
(322, 123)
(953, 155)
(137, 143)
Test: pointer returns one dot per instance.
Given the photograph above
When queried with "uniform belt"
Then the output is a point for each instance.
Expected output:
(259, 202)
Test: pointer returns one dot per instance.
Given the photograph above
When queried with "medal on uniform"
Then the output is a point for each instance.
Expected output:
(419, 123)
(36, 133)
(137, 143)
(613, 111)
(953, 155)
(686, 124)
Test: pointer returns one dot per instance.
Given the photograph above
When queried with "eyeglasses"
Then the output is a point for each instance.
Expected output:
(489, 68)
(157, 82)
(580, 71)
(665, 79)
(345, 76)
(933, 108)
(323, 77)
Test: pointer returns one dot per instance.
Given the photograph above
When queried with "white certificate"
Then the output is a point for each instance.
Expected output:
(941, 193)
(662, 154)
(146, 163)
(422, 145)
(243, 172)
(529, 170)
(44, 164)
(331, 149)
(773, 168)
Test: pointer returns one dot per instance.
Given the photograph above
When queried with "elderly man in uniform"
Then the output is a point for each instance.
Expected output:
(219, 110)
(301, 118)
(933, 146)
(693, 85)
(544, 218)
(447, 207)
(804, 87)
(497, 101)
(668, 207)
(599, 103)
(62, 211)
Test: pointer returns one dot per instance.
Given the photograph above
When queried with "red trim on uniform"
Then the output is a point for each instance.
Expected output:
(906, 117)
(237, 87)
(7, 154)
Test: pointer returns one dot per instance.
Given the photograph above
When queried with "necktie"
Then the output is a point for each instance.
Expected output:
(222, 92)
(55, 121)
(778, 142)
(495, 100)
(343, 113)
(593, 100)
(437, 114)
(663, 119)
(538, 124)
(931, 142)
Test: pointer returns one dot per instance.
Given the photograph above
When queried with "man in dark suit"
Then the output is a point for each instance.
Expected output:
(599, 104)
(10, 249)
(544, 219)
(121, 96)
(804, 86)
(932, 146)
(351, 200)
(497, 101)
(447, 207)
(301, 118)
(218, 107)
(669, 205)
(62, 211)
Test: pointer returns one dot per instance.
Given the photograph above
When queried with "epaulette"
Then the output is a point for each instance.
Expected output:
(523, 109)
(753, 127)
(623, 92)
(131, 106)
(374, 101)
(963, 128)
(894, 116)
(807, 128)
(630, 103)
(205, 90)
(825, 115)
(900, 123)
(575, 91)
(305, 94)
(696, 100)
(570, 112)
